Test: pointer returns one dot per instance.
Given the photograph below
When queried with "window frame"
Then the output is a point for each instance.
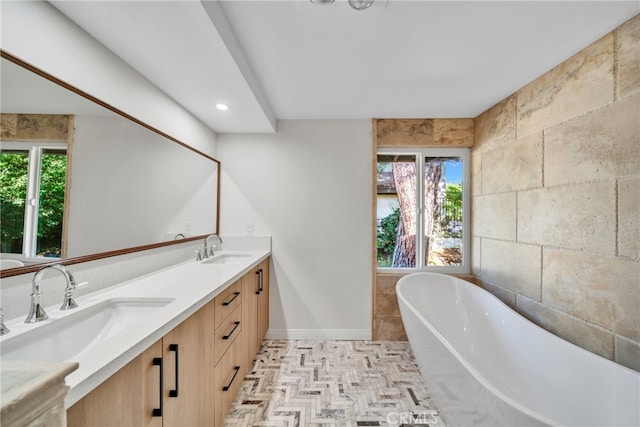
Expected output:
(32, 203)
(420, 154)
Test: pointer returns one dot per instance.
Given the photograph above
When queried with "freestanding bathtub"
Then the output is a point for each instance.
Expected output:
(484, 364)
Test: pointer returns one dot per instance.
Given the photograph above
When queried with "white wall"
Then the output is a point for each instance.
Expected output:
(309, 187)
(39, 34)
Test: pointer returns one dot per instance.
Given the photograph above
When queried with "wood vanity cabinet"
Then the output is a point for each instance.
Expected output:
(230, 348)
(187, 372)
(255, 305)
(133, 396)
(263, 301)
(234, 356)
(250, 316)
(128, 397)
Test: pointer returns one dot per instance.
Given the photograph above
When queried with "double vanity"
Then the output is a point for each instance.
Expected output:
(168, 348)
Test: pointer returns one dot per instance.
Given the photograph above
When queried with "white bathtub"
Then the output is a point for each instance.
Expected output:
(484, 364)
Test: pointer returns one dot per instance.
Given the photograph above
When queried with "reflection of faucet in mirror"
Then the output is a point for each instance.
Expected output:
(178, 236)
(217, 245)
(36, 312)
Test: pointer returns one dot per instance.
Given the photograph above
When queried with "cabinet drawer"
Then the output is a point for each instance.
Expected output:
(227, 332)
(228, 379)
(226, 302)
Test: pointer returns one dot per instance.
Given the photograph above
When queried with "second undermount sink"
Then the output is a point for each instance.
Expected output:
(230, 258)
(69, 337)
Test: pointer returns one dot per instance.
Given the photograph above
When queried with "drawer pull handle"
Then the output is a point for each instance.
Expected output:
(235, 295)
(228, 386)
(174, 392)
(235, 326)
(260, 282)
(157, 412)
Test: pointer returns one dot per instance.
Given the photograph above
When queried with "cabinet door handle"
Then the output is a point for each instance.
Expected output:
(235, 326)
(235, 372)
(174, 392)
(260, 282)
(235, 295)
(157, 412)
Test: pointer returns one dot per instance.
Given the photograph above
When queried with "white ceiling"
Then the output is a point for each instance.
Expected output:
(294, 60)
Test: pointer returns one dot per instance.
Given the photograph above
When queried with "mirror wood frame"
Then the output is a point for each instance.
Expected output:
(92, 257)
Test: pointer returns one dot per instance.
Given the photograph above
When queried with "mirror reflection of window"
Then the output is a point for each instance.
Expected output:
(14, 173)
(32, 193)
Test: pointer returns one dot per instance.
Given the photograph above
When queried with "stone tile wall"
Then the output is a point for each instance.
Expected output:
(556, 198)
(423, 132)
(387, 321)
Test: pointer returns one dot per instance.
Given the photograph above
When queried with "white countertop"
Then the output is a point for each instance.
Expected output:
(191, 285)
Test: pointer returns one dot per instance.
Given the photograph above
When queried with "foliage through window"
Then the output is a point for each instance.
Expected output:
(421, 222)
(32, 192)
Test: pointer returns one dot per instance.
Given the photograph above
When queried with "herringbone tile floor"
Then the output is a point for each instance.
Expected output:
(333, 383)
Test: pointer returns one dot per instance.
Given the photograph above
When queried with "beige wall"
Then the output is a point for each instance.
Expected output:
(556, 198)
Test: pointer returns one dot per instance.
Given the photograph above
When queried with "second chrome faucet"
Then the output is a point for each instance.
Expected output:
(36, 311)
(207, 252)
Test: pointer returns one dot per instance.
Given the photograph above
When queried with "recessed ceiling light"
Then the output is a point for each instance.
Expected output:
(223, 107)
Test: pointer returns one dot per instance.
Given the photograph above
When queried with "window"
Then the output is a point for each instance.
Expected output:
(32, 191)
(422, 223)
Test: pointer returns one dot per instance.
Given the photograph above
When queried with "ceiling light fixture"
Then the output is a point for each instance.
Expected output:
(223, 107)
(355, 4)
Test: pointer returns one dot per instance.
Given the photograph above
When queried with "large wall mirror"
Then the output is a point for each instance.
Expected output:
(83, 180)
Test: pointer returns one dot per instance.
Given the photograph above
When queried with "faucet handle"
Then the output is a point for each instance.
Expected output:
(68, 302)
(198, 255)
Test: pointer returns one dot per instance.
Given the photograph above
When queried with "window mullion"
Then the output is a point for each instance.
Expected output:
(420, 213)
(32, 203)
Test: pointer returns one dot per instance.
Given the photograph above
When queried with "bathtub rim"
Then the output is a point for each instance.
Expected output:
(468, 366)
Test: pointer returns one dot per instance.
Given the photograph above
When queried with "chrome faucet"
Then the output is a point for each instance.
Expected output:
(210, 252)
(3, 328)
(36, 312)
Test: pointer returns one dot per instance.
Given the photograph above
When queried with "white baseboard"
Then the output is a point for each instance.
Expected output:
(319, 334)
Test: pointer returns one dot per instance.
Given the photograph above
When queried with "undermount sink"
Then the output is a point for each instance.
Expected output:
(227, 259)
(68, 337)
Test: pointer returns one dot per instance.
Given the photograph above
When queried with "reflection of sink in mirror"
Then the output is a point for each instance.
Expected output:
(227, 259)
(67, 338)
(10, 263)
